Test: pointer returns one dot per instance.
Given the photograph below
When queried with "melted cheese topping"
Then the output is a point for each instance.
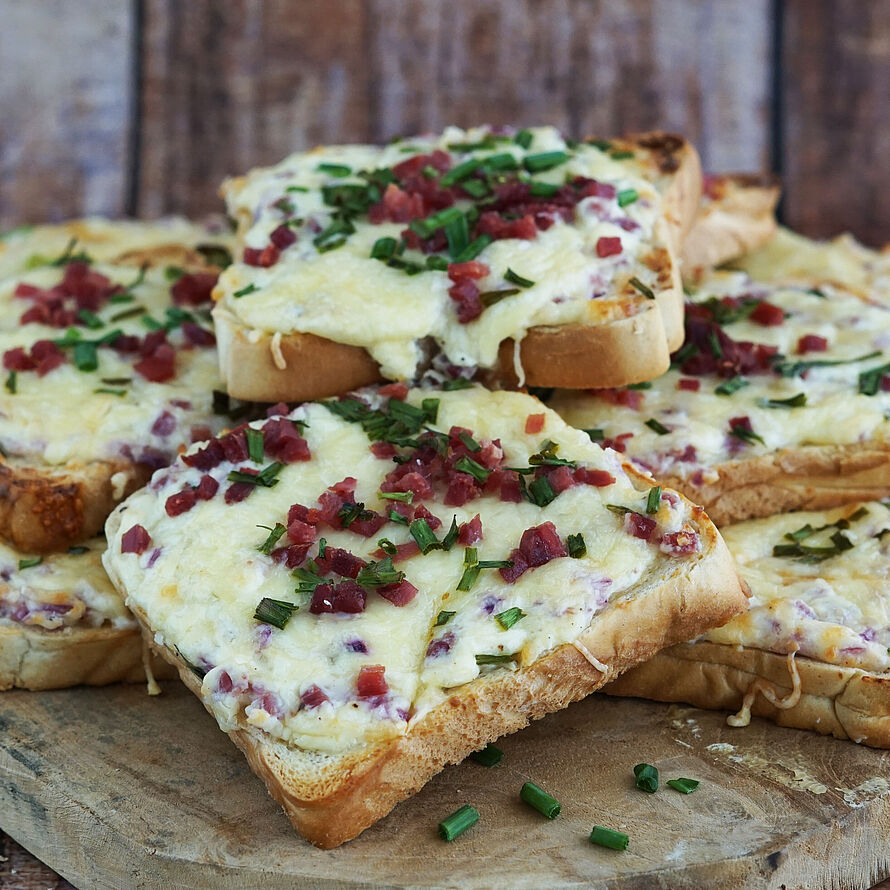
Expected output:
(346, 296)
(789, 256)
(27, 247)
(64, 590)
(60, 418)
(835, 412)
(200, 596)
(836, 610)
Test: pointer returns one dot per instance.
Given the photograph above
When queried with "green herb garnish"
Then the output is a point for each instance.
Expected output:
(517, 279)
(797, 401)
(730, 386)
(339, 170)
(274, 537)
(424, 536)
(254, 444)
(509, 617)
(443, 618)
(485, 658)
(644, 289)
(653, 499)
(684, 786)
(488, 756)
(11, 383)
(265, 478)
(30, 562)
(627, 196)
(274, 612)
(458, 822)
(646, 777)
(657, 427)
(541, 492)
(545, 161)
(795, 369)
(607, 837)
(250, 289)
(539, 799)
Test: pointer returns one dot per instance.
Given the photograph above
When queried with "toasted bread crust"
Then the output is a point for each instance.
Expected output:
(44, 510)
(844, 702)
(812, 477)
(351, 791)
(740, 218)
(32, 658)
(570, 356)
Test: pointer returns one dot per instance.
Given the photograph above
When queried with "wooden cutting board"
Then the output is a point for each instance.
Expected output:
(115, 789)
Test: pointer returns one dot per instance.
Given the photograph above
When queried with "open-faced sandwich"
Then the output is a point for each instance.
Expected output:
(813, 649)
(518, 254)
(364, 590)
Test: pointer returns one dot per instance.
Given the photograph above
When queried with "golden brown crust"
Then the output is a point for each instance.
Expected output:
(628, 350)
(331, 799)
(813, 477)
(32, 658)
(844, 702)
(44, 510)
(738, 218)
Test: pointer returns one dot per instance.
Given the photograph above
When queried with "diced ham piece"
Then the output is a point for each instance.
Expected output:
(206, 488)
(690, 384)
(394, 391)
(135, 540)
(597, 478)
(534, 423)
(397, 205)
(421, 512)
(639, 526)
(438, 160)
(629, 398)
(313, 697)
(264, 257)
(17, 359)
(160, 365)
(301, 532)
(403, 551)
(606, 247)
(180, 503)
(282, 440)
(383, 450)
(470, 532)
(196, 335)
(292, 555)
(339, 562)
(234, 446)
(491, 223)
(371, 681)
(466, 294)
(164, 424)
(283, 237)
(206, 458)
(345, 596)
(681, 543)
(47, 356)
(193, 289)
(440, 646)
(767, 314)
(472, 269)
(537, 546)
(398, 594)
(811, 343)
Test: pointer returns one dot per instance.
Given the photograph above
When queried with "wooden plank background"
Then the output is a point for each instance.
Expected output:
(141, 107)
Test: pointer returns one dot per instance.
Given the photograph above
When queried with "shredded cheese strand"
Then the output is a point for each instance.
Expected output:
(152, 687)
(743, 717)
(277, 355)
(602, 668)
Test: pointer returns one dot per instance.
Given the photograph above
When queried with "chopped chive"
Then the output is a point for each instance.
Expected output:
(469, 577)
(30, 562)
(606, 837)
(254, 444)
(274, 537)
(387, 546)
(214, 254)
(516, 279)
(379, 574)
(490, 297)
(437, 263)
(524, 138)
(621, 155)
(601, 144)
(397, 517)
(657, 427)
(503, 161)
(627, 196)
(540, 800)
(486, 658)
(426, 227)
(296, 188)
(473, 249)
(457, 383)
(90, 319)
(469, 441)
(458, 822)
(285, 205)
(793, 369)
(475, 188)
(383, 249)
(12, 382)
(85, 357)
(444, 617)
(543, 189)
(871, 381)
(132, 312)
(797, 401)
(466, 464)
(595, 435)
(646, 777)
(749, 437)
(424, 536)
(684, 786)
(490, 755)
(334, 169)
(653, 500)
(405, 497)
(451, 535)
(274, 612)
(644, 289)
(545, 161)
(461, 171)
(250, 289)
(732, 385)
(457, 233)
(541, 492)
(265, 478)
(509, 617)
(171, 273)
(576, 546)
(107, 390)
(495, 563)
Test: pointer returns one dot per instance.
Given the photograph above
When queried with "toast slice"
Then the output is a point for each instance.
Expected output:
(819, 589)
(736, 216)
(107, 370)
(499, 251)
(777, 401)
(62, 623)
(457, 612)
(843, 261)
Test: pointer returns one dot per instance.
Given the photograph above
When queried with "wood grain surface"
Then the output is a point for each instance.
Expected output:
(143, 107)
(113, 789)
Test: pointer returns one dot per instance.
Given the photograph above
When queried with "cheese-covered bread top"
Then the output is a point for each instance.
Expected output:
(105, 361)
(763, 367)
(333, 572)
(105, 240)
(820, 582)
(788, 256)
(60, 590)
(470, 238)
